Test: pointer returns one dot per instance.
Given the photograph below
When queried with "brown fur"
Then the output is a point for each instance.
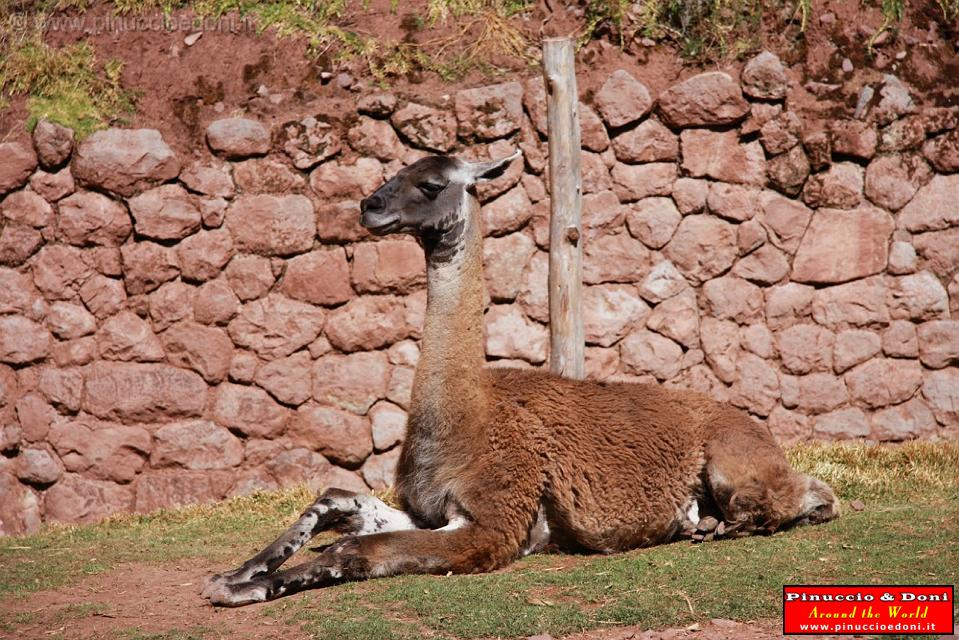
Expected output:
(504, 453)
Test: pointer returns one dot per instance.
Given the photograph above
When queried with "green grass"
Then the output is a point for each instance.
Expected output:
(703, 31)
(61, 554)
(70, 85)
(911, 496)
(950, 9)
(665, 586)
(67, 84)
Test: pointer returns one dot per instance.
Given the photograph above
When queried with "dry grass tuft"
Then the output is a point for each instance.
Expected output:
(876, 470)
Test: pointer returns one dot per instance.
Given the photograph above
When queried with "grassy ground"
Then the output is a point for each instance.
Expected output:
(67, 84)
(910, 492)
(72, 85)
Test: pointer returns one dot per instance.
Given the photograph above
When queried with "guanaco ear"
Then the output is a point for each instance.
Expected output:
(486, 171)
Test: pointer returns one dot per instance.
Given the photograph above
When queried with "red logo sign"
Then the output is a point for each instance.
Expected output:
(868, 609)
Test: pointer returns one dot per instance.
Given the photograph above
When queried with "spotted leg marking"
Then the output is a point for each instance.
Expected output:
(460, 546)
(338, 510)
(326, 569)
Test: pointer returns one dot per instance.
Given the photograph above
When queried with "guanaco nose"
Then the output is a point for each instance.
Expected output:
(373, 204)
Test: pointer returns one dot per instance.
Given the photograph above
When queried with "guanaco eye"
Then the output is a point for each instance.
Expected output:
(430, 188)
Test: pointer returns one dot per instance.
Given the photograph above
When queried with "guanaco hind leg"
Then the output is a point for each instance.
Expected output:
(336, 509)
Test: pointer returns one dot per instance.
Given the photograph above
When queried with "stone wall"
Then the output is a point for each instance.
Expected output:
(181, 329)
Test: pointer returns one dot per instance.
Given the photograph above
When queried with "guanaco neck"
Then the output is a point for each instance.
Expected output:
(449, 388)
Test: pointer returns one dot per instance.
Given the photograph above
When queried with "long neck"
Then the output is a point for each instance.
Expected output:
(449, 389)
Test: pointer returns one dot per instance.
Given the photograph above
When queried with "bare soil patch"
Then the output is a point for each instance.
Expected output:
(144, 599)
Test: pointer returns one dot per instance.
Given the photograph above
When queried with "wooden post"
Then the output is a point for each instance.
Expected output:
(566, 337)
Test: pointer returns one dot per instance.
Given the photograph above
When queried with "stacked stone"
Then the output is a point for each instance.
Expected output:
(180, 332)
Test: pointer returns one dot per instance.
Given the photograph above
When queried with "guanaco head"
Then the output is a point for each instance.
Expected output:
(429, 199)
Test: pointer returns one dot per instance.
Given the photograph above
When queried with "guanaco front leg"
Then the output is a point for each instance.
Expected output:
(459, 547)
(337, 510)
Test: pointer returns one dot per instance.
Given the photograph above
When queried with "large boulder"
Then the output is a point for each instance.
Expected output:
(892, 181)
(732, 298)
(426, 127)
(646, 352)
(859, 303)
(237, 138)
(504, 258)
(721, 156)
(22, 340)
(250, 276)
(510, 334)
(622, 99)
(59, 271)
(126, 336)
(320, 277)
(785, 220)
(287, 379)
(83, 500)
(195, 444)
(939, 343)
(267, 175)
(352, 382)
(38, 467)
(160, 490)
(88, 218)
(165, 213)
(702, 247)
(310, 141)
(840, 186)
(143, 392)
(272, 225)
(610, 311)
(17, 243)
(19, 507)
(908, 420)
(764, 77)
(340, 436)
(653, 221)
(214, 303)
(934, 206)
(368, 322)
(17, 162)
(212, 181)
(884, 381)
(375, 138)
(275, 326)
(124, 161)
(203, 255)
(249, 410)
(678, 319)
(708, 99)
(68, 320)
(843, 245)
(488, 113)
(943, 151)
(147, 265)
(53, 143)
(648, 142)
(101, 450)
(206, 350)
(638, 181)
(27, 208)
(18, 295)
